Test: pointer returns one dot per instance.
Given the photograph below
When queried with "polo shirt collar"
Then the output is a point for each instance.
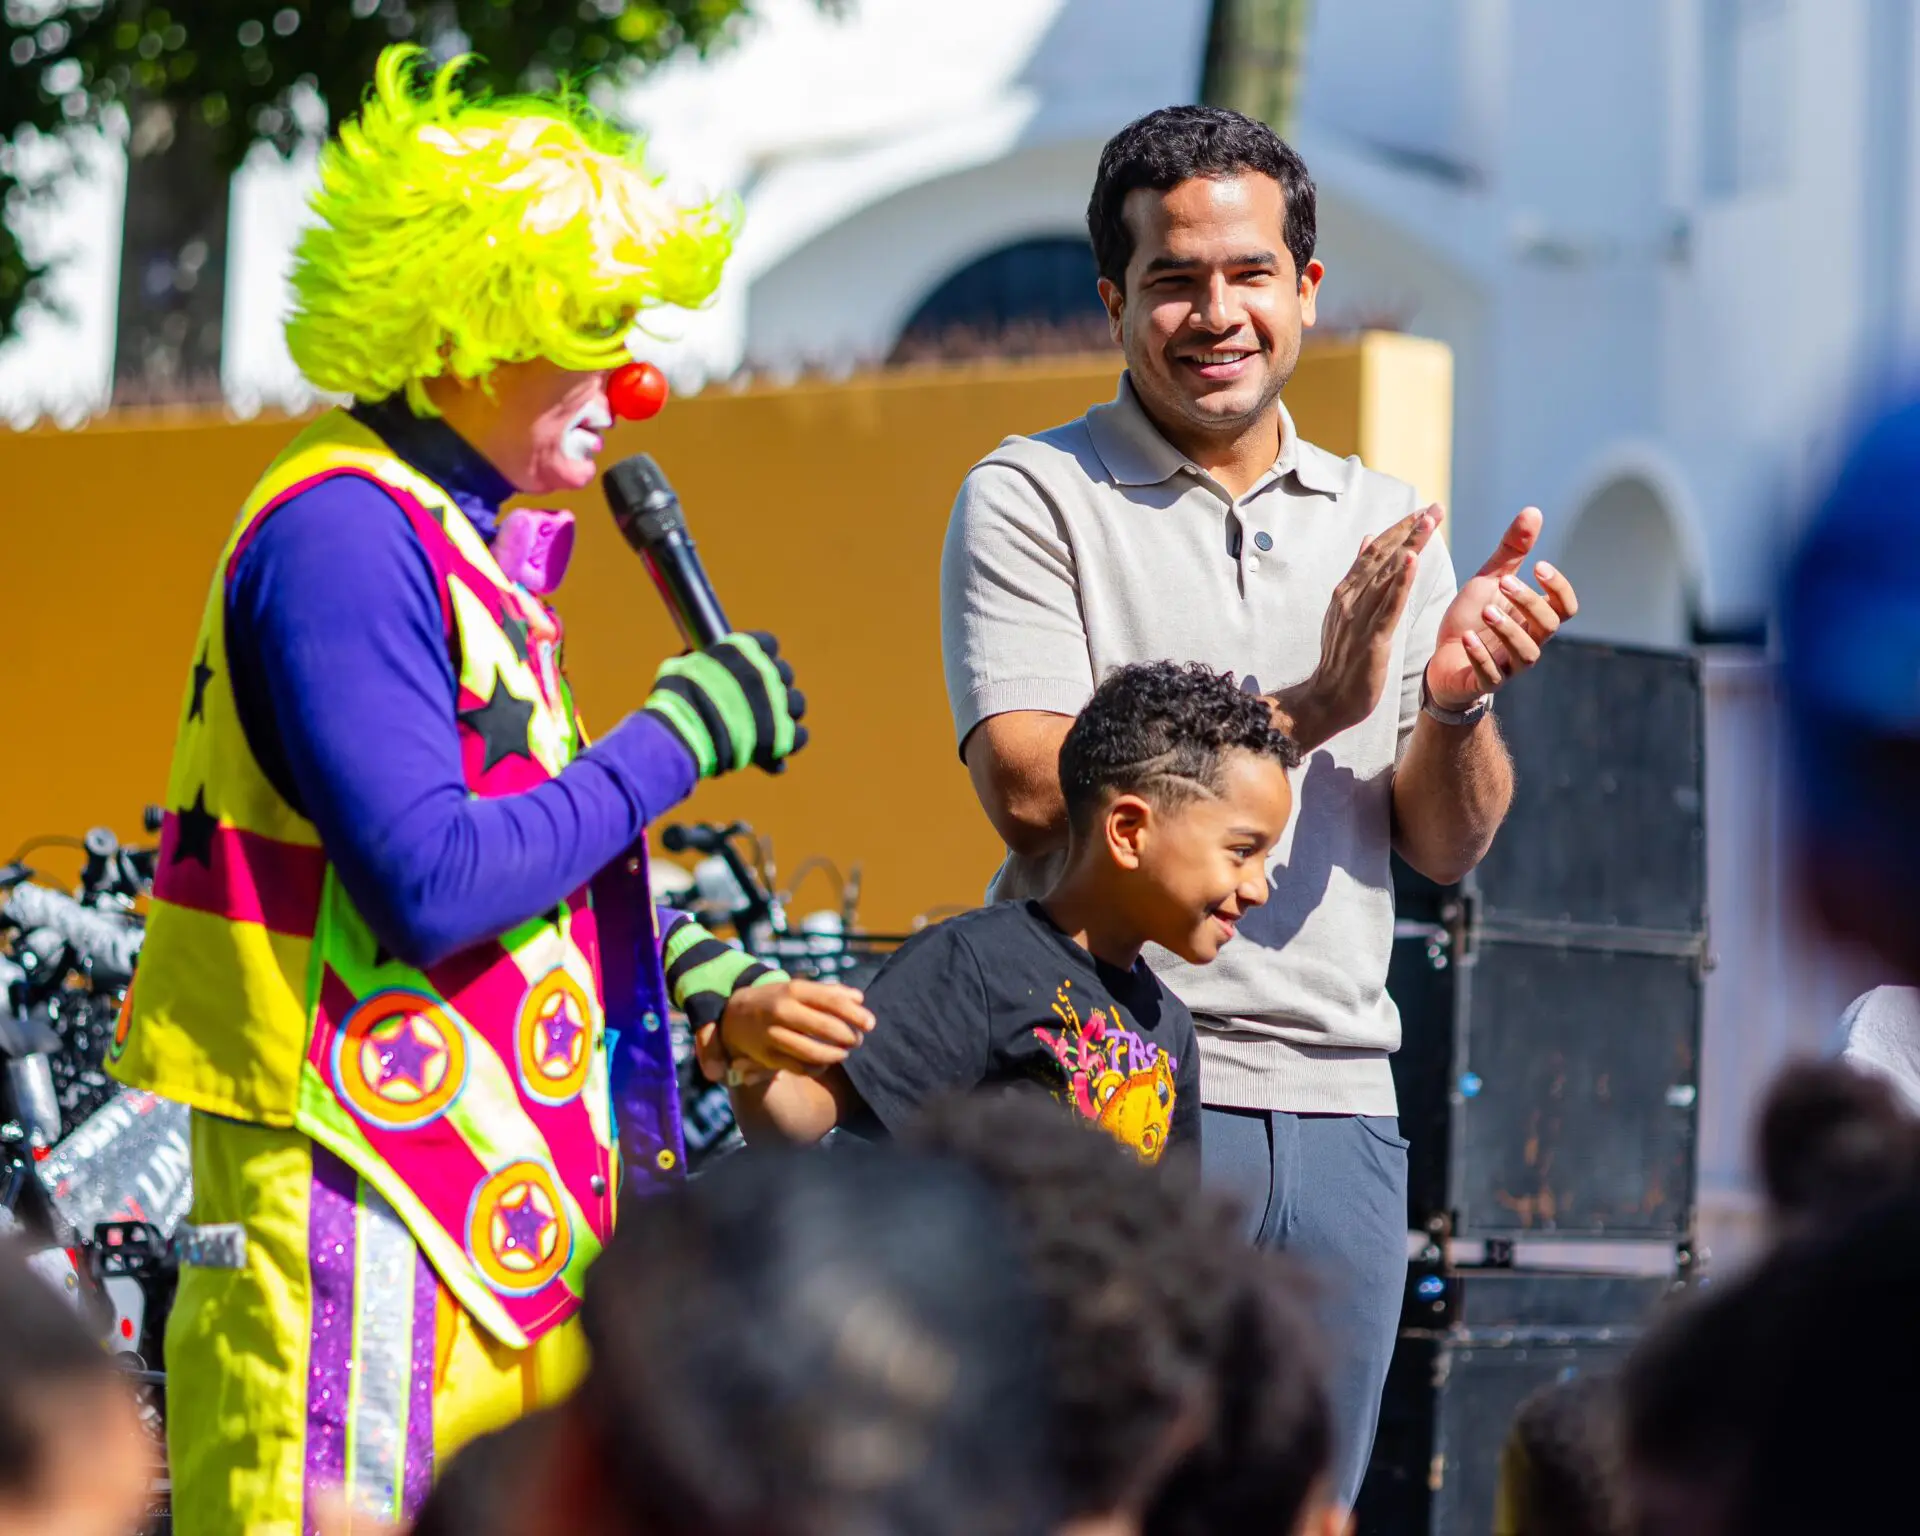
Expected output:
(1134, 452)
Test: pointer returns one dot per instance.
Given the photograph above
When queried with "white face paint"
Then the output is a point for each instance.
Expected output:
(583, 437)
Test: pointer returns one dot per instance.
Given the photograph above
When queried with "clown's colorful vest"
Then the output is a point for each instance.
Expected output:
(472, 1095)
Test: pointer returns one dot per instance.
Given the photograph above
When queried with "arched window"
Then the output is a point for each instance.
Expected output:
(1625, 558)
(1033, 286)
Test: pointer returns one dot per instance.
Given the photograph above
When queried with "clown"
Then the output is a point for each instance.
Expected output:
(401, 960)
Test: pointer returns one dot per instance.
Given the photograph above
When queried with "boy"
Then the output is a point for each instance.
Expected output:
(1176, 790)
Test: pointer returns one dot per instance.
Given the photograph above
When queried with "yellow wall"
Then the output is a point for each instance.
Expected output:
(819, 510)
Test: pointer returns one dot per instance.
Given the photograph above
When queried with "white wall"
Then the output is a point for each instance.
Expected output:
(1660, 345)
(61, 363)
(848, 293)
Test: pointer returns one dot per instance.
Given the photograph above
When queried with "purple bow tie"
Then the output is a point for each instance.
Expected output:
(533, 547)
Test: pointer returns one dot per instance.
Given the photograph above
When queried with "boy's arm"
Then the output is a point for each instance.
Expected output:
(794, 1106)
(933, 1040)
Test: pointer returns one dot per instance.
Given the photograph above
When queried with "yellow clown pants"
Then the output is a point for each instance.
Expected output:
(327, 1363)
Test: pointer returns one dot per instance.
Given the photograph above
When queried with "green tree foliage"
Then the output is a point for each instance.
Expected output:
(230, 73)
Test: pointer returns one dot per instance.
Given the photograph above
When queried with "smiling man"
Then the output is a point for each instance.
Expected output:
(1187, 520)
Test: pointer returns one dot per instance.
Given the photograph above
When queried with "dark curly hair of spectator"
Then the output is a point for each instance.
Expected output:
(1562, 1470)
(1831, 1141)
(805, 1344)
(44, 1350)
(1162, 730)
(1186, 1382)
(1176, 144)
(1741, 1403)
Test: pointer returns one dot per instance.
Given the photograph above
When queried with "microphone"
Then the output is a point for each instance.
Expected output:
(647, 513)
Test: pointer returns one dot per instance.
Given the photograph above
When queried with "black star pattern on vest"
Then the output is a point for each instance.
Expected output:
(502, 724)
(193, 829)
(202, 675)
(516, 633)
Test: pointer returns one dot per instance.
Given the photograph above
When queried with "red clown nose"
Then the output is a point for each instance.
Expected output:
(637, 391)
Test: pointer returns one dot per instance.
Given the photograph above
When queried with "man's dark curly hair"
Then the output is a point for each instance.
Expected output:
(1162, 730)
(1186, 1379)
(1176, 144)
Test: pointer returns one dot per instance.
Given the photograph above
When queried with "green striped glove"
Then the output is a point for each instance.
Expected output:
(733, 703)
(703, 972)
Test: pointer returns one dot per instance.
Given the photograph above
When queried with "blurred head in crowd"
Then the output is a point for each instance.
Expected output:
(1183, 1373)
(809, 1344)
(1176, 789)
(1203, 231)
(1850, 638)
(1781, 1403)
(485, 1489)
(74, 1460)
(1831, 1141)
(1690, 1397)
(1561, 1472)
(487, 259)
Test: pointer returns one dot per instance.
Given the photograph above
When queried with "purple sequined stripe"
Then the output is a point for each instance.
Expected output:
(419, 1468)
(330, 1260)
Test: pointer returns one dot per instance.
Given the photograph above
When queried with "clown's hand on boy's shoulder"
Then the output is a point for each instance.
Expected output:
(749, 1018)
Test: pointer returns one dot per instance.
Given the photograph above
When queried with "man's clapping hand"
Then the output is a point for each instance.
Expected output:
(1495, 628)
(1356, 636)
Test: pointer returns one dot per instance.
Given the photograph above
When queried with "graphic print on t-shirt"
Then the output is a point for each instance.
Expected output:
(1121, 1082)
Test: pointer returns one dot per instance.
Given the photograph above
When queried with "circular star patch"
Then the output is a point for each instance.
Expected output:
(399, 1060)
(517, 1231)
(554, 1038)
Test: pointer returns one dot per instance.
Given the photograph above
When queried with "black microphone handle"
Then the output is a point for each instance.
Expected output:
(675, 567)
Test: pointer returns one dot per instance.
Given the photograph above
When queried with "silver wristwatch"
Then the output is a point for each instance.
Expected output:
(1471, 715)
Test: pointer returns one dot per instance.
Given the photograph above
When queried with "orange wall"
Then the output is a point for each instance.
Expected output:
(819, 510)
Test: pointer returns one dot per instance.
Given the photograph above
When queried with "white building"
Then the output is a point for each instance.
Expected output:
(1668, 240)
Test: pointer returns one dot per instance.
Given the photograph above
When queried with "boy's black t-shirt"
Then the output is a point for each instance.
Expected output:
(1003, 996)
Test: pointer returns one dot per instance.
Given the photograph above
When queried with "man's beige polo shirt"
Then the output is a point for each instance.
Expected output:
(1098, 543)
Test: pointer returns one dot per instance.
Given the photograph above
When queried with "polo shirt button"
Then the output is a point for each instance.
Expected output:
(1253, 562)
(1263, 541)
(597, 1184)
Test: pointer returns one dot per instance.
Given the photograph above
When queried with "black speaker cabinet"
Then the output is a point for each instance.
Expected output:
(1474, 1345)
(1550, 1006)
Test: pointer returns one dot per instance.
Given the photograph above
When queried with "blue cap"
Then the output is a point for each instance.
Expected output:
(1850, 604)
(1850, 643)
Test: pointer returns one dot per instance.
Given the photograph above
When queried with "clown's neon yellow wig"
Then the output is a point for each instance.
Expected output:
(456, 234)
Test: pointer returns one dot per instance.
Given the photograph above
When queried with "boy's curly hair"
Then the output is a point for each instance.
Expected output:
(1162, 730)
(1186, 1382)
